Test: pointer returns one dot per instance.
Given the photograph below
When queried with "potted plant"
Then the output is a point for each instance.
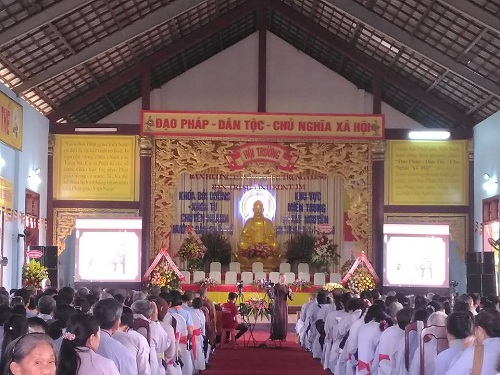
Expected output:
(218, 248)
(300, 248)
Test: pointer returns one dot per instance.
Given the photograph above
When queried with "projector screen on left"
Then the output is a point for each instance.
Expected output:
(108, 249)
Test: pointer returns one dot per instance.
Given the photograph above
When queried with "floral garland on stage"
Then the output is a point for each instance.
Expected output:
(360, 280)
(163, 276)
(192, 251)
(260, 250)
(207, 283)
(330, 287)
(298, 285)
(33, 274)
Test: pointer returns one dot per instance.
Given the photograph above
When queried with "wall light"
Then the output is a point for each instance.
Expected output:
(490, 183)
(34, 178)
(2, 163)
(432, 135)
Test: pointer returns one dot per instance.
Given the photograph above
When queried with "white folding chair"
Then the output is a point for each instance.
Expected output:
(285, 267)
(187, 275)
(303, 267)
(335, 278)
(274, 277)
(304, 276)
(260, 276)
(319, 278)
(247, 277)
(216, 275)
(198, 276)
(235, 267)
(230, 278)
(215, 266)
(290, 277)
(257, 267)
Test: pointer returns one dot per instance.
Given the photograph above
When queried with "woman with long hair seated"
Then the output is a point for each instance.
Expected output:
(78, 349)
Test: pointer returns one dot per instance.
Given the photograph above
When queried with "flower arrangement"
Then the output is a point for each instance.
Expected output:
(256, 308)
(163, 276)
(330, 287)
(207, 283)
(360, 280)
(325, 252)
(192, 251)
(33, 274)
(259, 284)
(260, 250)
(300, 284)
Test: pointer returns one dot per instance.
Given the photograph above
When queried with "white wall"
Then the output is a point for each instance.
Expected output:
(296, 83)
(486, 157)
(18, 165)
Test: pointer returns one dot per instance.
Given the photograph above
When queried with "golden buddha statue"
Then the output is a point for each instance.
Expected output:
(258, 230)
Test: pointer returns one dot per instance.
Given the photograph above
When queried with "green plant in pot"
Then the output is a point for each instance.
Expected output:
(300, 248)
(218, 248)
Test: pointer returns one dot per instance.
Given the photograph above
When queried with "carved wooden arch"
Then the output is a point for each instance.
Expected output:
(350, 160)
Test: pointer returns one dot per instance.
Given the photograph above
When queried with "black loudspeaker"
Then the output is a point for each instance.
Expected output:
(474, 263)
(474, 283)
(488, 283)
(50, 257)
(489, 263)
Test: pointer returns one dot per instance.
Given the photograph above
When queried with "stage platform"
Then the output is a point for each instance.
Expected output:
(219, 293)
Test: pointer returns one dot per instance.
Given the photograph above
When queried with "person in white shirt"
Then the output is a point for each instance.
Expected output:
(160, 341)
(355, 310)
(45, 306)
(487, 338)
(312, 317)
(198, 334)
(459, 326)
(376, 321)
(302, 328)
(133, 341)
(391, 348)
(166, 321)
(78, 349)
(108, 312)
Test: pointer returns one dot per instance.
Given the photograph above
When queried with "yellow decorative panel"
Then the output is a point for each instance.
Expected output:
(95, 168)
(427, 173)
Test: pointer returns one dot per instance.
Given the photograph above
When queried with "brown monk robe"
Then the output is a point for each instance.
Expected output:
(279, 294)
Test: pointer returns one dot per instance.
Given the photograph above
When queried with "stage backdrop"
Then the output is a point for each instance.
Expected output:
(220, 202)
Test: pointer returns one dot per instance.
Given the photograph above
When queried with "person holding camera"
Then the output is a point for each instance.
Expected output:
(279, 293)
(229, 317)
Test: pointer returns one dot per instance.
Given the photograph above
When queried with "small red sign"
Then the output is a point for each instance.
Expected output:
(35, 254)
(258, 152)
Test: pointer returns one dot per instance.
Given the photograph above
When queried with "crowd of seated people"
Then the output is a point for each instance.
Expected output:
(370, 334)
(68, 332)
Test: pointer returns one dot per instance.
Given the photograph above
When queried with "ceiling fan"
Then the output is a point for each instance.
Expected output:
(494, 244)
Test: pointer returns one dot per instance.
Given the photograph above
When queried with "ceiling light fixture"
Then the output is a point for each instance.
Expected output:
(430, 135)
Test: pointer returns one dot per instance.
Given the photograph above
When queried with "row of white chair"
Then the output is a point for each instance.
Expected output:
(259, 267)
(231, 277)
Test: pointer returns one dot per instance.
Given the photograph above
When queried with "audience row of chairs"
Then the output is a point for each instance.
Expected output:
(259, 267)
(231, 277)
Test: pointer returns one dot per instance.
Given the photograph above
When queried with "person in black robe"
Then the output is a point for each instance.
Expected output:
(279, 293)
